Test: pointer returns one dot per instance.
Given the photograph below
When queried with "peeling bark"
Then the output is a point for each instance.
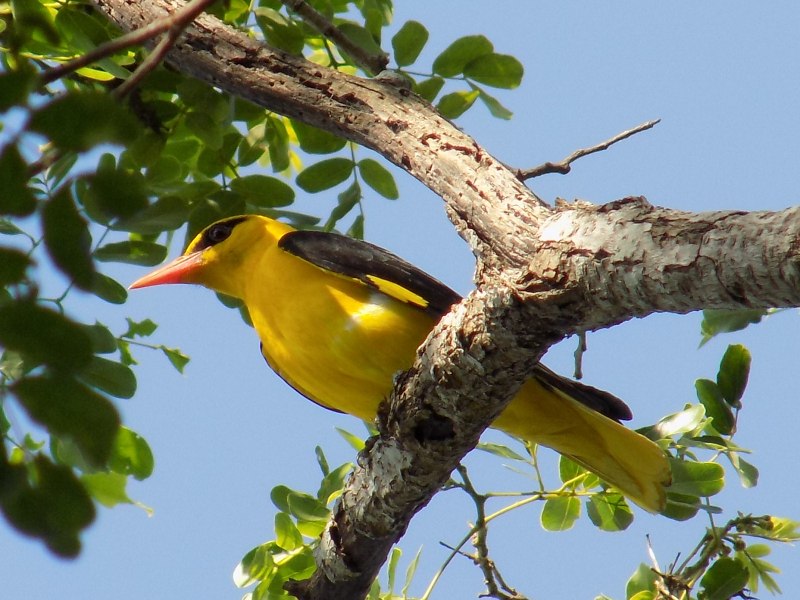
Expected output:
(543, 273)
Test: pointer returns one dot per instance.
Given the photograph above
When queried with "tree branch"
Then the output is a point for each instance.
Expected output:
(565, 166)
(371, 63)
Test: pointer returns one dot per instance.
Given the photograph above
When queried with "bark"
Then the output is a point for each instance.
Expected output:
(543, 273)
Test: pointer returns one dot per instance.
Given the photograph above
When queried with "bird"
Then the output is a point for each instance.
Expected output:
(338, 318)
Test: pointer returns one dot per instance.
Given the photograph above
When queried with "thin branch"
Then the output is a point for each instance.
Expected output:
(175, 22)
(579, 352)
(372, 63)
(564, 166)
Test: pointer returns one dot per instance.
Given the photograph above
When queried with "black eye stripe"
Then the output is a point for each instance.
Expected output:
(217, 233)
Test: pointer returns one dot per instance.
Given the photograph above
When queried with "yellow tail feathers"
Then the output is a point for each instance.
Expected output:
(630, 462)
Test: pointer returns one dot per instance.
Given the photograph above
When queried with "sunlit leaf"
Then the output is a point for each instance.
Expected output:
(560, 513)
(379, 178)
(131, 455)
(609, 511)
(696, 478)
(325, 174)
(455, 104)
(724, 579)
(263, 191)
(134, 252)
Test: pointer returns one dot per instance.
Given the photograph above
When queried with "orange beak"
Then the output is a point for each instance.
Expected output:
(177, 271)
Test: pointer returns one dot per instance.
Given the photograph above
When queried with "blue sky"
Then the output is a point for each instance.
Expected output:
(722, 76)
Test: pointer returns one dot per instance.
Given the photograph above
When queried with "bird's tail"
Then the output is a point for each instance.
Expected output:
(547, 413)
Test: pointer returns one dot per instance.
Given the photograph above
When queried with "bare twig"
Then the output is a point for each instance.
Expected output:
(564, 166)
(579, 352)
(372, 63)
(176, 21)
(496, 587)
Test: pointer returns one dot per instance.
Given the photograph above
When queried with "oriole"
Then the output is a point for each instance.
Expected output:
(338, 317)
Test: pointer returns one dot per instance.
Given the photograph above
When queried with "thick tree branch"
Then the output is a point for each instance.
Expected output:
(543, 274)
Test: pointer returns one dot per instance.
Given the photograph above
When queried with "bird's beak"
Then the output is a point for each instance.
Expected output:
(178, 271)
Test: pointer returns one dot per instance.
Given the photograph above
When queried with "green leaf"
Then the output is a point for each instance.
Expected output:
(696, 478)
(13, 265)
(711, 398)
(748, 474)
(79, 121)
(429, 88)
(379, 178)
(325, 174)
(165, 214)
(316, 141)
(17, 198)
(681, 507)
(322, 461)
(107, 488)
(725, 321)
(131, 455)
(31, 17)
(143, 328)
(560, 513)
(287, 535)
(684, 421)
(15, 86)
(500, 450)
(355, 442)
(495, 70)
(109, 376)
(333, 483)
(103, 341)
(568, 469)
(454, 105)
(50, 504)
(306, 507)
(408, 42)
(493, 104)
(280, 497)
(263, 191)
(642, 580)
(178, 359)
(609, 511)
(734, 370)
(133, 252)
(44, 336)
(8, 228)
(279, 31)
(723, 580)
(114, 191)
(208, 130)
(67, 407)
(109, 289)
(356, 230)
(460, 53)
(66, 235)
(348, 200)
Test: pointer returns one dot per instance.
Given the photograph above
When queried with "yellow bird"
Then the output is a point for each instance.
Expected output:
(339, 317)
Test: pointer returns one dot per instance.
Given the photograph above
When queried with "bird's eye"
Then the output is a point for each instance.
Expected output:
(218, 233)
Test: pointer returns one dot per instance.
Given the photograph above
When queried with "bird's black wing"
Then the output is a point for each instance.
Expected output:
(373, 266)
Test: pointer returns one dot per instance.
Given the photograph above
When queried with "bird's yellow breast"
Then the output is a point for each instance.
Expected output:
(334, 339)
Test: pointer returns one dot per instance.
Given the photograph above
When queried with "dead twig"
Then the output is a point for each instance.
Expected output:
(565, 165)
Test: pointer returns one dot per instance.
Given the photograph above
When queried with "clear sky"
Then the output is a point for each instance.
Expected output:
(722, 76)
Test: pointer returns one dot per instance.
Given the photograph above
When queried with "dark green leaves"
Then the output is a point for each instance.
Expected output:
(16, 197)
(724, 580)
(69, 408)
(724, 321)
(495, 70)
(44, 336)
(263, 191)
(460, 53)
(134, 252)
(67, 238)
(408, 42)
(13, 265)
(378, 178)
(78, 122)
(734, 371)
(325, 174)
(456, 104)
(50, 503)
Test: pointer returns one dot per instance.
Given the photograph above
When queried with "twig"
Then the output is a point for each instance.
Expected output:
(177, 20)
(579, 352)
(372, 63)
(564, 166)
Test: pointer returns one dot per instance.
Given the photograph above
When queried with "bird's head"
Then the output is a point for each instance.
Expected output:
(221, 255)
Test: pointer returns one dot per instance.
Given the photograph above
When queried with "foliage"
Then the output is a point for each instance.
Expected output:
(90, 182)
